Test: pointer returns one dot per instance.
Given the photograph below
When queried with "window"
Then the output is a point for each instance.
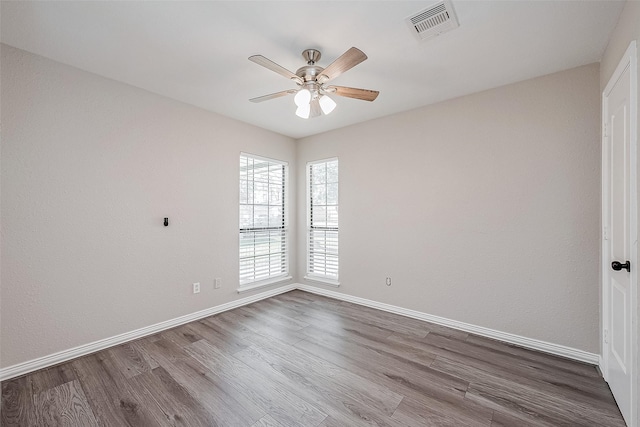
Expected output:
(322, 219)
(263, 221)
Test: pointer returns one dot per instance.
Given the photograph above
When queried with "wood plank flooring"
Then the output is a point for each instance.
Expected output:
(300, 359)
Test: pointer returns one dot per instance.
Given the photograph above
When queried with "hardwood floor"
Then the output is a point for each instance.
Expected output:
(300, 359)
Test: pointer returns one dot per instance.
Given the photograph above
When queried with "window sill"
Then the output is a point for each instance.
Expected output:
(323, 280)
(263, 283)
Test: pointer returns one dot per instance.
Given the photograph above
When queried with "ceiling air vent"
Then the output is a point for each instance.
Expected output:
(433, 21)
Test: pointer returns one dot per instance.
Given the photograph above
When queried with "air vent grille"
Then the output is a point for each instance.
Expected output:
(433, 21)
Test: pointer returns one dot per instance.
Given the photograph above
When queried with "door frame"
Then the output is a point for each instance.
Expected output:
(629, 60)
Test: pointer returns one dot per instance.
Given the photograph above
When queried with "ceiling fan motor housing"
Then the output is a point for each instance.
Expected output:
(309, 73)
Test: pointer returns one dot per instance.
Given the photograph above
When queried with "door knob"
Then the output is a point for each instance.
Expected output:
(617, 266)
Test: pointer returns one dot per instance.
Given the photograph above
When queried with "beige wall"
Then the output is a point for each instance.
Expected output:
(483, 209)
(627, 29)
(89, 169)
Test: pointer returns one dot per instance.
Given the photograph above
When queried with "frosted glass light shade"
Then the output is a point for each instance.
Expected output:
(304, 111)
(302, 97)
(327, 104)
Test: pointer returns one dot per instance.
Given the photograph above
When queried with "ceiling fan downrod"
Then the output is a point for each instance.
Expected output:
(310, 72)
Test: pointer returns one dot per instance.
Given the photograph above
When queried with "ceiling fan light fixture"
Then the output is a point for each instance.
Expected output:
(302, 98)
(327, 104)
(303, 111)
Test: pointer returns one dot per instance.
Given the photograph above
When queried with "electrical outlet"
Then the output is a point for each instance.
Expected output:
(196, 288)
(217, 282)
(388, 281)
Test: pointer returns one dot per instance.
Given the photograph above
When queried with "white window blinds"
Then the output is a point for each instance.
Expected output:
(322, 259)
(263, 222)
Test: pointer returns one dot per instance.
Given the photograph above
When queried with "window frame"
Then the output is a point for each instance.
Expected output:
(284, 276)
(308, 274)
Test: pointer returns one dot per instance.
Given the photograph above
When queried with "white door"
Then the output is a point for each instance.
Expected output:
(620, 237)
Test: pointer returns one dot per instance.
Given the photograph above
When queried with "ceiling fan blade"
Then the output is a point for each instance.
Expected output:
(351, 92)
(348, 60)
(273, 95)
(315, 108)
(267, 63)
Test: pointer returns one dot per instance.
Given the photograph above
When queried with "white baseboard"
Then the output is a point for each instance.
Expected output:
(603, 372)
(546, 347)
(82, 350)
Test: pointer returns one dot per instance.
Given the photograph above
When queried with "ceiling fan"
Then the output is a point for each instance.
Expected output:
(312, 96)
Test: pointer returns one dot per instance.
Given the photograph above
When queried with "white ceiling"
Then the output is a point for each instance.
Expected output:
(196, 52)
